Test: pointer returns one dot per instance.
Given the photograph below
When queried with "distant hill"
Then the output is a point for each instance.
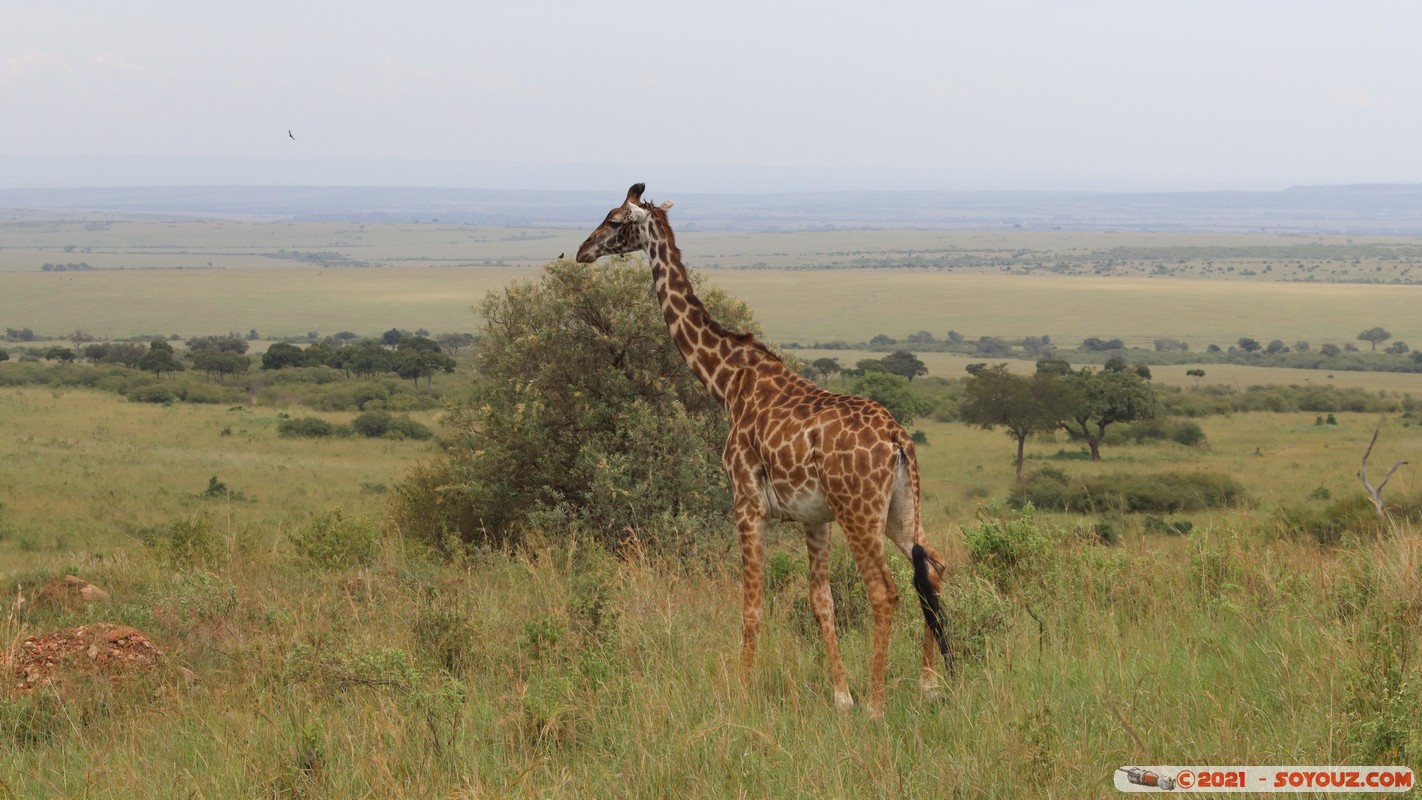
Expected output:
(1375, 209)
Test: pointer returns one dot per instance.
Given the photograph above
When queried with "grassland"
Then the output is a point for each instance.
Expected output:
(195, 277)
(560, 671)
(800, 306)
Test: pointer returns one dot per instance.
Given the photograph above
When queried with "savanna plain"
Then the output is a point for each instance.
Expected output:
(308, 647)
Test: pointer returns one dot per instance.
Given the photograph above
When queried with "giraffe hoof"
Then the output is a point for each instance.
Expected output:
(843, 700)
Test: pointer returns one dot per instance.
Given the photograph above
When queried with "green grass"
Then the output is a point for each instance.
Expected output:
(295, 666)
(79, 469)
(563, 672)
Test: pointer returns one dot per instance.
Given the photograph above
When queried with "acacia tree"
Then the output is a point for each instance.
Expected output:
(1105, 398)
(904, 363)
(994, 397)
(826, 368)
(1373, 336)
(160, 359)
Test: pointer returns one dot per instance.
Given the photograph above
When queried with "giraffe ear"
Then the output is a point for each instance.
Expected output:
(666, 204)
(634, 194)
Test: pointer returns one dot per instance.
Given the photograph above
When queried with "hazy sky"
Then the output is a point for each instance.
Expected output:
(712, 96)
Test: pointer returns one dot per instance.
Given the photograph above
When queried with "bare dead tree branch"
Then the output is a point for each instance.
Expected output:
(1375, 494)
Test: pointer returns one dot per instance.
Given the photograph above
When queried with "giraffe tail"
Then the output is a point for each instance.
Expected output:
(928, 601)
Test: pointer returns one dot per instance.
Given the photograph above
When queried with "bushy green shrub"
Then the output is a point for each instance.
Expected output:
(1006, 545)
(383, 423)
(1160, 493)
(153, 394)
(585, 418)
(1341, 519)
(185, 542)
(334, 541)
(310, 428)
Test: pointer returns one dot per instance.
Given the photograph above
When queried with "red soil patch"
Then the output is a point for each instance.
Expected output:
(111, 651)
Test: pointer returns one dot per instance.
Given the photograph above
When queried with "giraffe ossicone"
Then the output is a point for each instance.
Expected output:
(799, 453)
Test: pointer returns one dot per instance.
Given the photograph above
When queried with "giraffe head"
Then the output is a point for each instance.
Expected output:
(625, 229)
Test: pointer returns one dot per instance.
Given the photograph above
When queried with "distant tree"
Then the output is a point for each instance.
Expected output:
(220, 344)
(1197, 374)
(1249, 345)
(1302, 346)
(1053, 366)
(1105, 398)
(393, 336)
(1038, 346)
(995, 397)
(218, 364)
(129, 354)
(992, 346)
(1276, 347)
(454, 342)
(19, 334)
(866, 365)
(1374, 336)
(826, 368)
(325, 353)
(1330, 350)
(921, 337)
(883, 341)
(366, 359)
(95, 352)
(1214, 348)
(160, 359)
(1168, 345)
(894, 393)
(282, 355)
(63, 355)
(1097, 345)
(347, 336)
(954, 337)
(78, 338)
(4, 354)
(904, 363)
(422, 344)
(413, 364)
(1397, 348)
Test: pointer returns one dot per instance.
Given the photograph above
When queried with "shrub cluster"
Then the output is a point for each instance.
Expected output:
(371, 424)
(320, 388)
(1162, 493)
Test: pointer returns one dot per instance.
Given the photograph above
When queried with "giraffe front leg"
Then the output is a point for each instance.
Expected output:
(750, 528)
(817, 542)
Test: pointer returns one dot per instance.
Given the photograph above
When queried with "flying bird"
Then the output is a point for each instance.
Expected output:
(292, 135)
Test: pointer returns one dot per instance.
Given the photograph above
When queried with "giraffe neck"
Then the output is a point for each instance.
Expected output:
(707, 347)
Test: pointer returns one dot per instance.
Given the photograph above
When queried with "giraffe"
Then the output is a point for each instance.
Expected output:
(797, 453)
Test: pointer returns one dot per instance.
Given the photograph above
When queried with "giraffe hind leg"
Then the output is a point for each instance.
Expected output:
(866, 542)
(817, 542)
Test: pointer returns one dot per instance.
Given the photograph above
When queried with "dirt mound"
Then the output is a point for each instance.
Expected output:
(111, 651)
(70, 593)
